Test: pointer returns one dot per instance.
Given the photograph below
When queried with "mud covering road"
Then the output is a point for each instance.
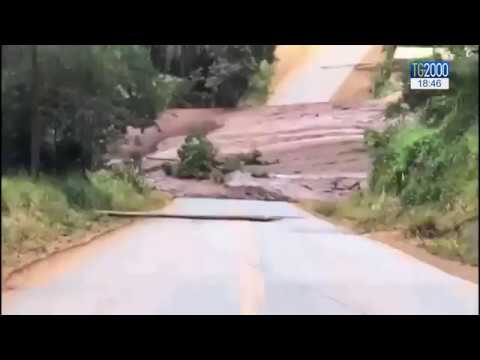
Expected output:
(319, 148)
(318, 144)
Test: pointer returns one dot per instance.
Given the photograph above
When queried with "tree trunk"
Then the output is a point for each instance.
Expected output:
(35, 140)
(55, 158)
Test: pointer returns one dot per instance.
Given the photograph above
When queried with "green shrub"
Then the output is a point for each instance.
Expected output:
(393, 110)
(36, 210)
(197, 157)
(393, 158)
(418, 165)
(81, 193)
(124, 195)
(130, 174)
(259, 85)
(35, 197)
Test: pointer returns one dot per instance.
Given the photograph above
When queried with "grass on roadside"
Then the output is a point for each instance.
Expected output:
(424, 177)
(37, 213)
(451, 234)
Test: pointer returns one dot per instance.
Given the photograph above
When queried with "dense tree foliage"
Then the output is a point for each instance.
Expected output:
(217, 75)
(62, 103)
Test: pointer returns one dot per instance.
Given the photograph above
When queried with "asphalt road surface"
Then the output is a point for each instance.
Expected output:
(317, 75)
(297, 265)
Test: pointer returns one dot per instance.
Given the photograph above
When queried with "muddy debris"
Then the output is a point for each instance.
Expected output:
(255, 193)
(320, 156)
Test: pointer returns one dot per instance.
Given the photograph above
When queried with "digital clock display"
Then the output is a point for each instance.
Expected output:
(429, 75)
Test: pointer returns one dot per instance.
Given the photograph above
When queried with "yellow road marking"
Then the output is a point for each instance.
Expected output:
(252, 289)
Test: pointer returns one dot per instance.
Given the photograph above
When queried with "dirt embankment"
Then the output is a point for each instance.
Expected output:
(397, 240)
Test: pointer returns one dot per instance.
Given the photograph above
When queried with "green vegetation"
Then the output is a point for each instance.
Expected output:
(386, 81)
(259, 86)
(215, 75)
(425, 168)
(197, 158)
(231, 164)
(78, 98)
(35, 213)
(62, 104)
(384, 87)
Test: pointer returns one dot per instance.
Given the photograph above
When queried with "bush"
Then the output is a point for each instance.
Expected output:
(36, 212)
(429, 165)
(419, 166)
(197, 158)
(259, 85)
(20, 194)
(197, 161)
(131, 175)
(219, 75)
(82, 194)
(123, 193)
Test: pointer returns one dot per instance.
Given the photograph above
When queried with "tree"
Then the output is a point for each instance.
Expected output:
(61, 104)
(88, 95)
(218, 74)
(36, 126)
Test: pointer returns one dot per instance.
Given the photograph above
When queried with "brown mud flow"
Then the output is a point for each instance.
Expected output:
(306, 140)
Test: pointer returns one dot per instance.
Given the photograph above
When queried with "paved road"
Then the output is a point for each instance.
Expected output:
(315, 75)
(293, 266)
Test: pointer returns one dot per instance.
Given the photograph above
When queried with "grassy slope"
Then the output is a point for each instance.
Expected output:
(42, 216)
(425, 173)
(449, 234)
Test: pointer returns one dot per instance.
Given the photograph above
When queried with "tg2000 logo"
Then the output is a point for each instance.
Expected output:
(429, 75)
